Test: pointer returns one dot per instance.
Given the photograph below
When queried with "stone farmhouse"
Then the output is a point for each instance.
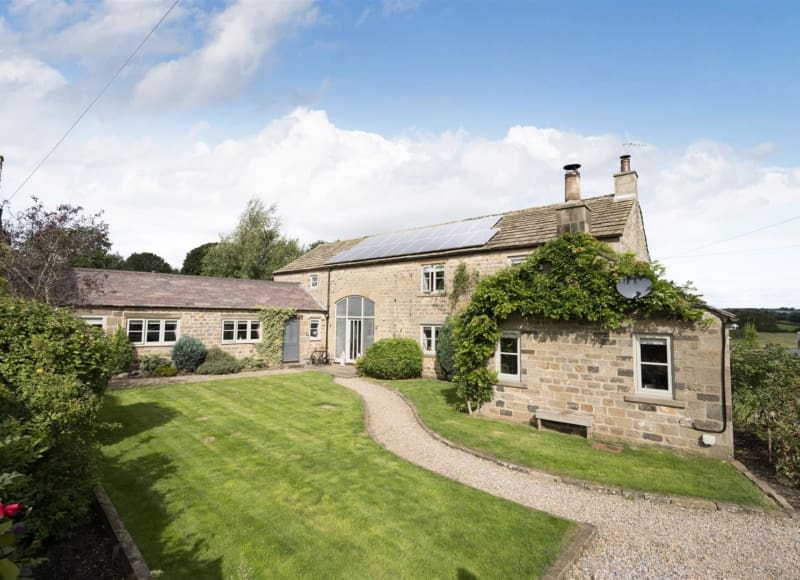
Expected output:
(156, 309)
(654, 382)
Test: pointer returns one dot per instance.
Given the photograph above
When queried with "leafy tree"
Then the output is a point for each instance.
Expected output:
(39, 247)
(445, 348)
(147, 262)
(256, 247)
(193, 262)
(766, 397)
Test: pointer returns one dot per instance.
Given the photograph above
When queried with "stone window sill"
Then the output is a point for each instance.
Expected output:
(511, 384)
(651, 400)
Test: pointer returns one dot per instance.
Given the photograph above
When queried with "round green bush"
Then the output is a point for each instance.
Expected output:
(219, 362)
(165, 370)
(392, 358)
(188, 353)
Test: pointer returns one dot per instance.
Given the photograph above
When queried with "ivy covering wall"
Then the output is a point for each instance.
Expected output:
(273, 322)
(570, 278)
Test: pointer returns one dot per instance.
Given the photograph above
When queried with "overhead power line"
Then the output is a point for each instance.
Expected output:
(737, 236)
(733, 252)
(97, 98)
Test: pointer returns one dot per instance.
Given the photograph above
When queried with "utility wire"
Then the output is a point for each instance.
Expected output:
(737, 236)
(735, 252)
(97, 98)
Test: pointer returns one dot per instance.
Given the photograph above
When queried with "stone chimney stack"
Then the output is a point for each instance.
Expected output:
(572, 182)
(574, 215)
(626, 182)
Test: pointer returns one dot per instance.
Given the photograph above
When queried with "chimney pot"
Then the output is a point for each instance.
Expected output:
(572, 182)
(626, 184)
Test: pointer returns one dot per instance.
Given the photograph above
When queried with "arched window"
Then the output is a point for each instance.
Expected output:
(355, 327)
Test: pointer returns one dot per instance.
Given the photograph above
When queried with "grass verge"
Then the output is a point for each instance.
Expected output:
(274, 477)
(645, 468)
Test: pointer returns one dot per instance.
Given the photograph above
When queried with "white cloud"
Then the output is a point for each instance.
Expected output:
(400, 6)
(332, 183)
(241, 36)
(23, 77)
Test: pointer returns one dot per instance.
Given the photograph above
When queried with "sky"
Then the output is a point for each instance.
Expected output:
(362, 117)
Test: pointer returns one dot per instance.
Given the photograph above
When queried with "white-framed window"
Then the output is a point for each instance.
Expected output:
(517, 260)
(429, 334)
(433, 278)
(507, 356)
(313, 329)
(653, 355)
(152, 331)
(234, 331)
(313, 281)
(96, 321)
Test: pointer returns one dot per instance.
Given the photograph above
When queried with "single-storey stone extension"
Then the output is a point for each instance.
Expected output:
(655, 382)
(157, 309)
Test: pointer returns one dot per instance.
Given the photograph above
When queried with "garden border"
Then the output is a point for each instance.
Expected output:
(784, 509)
(132, 556)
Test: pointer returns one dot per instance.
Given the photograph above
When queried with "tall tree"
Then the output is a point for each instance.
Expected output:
(256, 247)
(39, 248)
(193, 262)
(147, 262)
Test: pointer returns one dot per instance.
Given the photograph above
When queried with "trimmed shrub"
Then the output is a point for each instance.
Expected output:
(121, 352)
(188, 353)
(53, 369)
(445, 348)
(392, 358)
(219, 362)
(150, 362)
(165, 370)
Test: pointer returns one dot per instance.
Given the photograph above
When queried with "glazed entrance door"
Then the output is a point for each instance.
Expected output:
(355, 339)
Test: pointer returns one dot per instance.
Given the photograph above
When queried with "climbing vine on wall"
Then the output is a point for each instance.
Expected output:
(463, 282)
(572, 278)
(273, 321)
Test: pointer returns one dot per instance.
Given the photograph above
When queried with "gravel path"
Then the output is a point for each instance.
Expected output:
(636, 538)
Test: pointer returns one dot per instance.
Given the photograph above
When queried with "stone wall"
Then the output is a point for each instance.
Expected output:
(401, 307)
(205, 325)
(588, 370)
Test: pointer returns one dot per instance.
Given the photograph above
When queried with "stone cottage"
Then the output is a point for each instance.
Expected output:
(655, 382)
(157, 309)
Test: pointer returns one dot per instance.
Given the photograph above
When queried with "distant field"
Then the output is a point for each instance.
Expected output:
(785, 339)
(789, 326)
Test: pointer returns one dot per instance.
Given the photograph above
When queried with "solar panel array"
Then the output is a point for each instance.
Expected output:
(464, 234)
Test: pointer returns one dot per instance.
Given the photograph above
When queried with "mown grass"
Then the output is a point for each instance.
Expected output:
(275, 477)
(645, 468)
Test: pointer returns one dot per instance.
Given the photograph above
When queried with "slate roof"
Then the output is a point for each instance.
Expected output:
(122, 289)
(516, 229)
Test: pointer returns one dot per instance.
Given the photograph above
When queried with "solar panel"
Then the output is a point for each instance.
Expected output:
(452, 236)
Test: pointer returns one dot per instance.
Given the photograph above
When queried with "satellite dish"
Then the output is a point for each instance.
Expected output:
(638, 287)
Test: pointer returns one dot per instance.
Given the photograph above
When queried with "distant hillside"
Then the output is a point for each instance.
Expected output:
(769, 319)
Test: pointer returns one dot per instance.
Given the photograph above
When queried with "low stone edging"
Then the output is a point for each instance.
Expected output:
(682, 501)
(133, 559)
(572, 549)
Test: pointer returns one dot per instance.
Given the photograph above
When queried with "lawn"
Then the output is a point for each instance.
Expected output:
(275, 477)
(644, 468)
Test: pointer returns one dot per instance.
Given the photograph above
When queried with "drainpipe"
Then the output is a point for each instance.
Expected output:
(327, 314)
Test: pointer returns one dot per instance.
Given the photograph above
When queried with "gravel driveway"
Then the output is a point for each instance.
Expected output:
(636, 538)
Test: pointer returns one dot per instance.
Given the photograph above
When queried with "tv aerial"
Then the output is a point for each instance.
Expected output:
(634, 287)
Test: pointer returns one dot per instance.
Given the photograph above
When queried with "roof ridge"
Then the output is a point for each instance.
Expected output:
(174, 275)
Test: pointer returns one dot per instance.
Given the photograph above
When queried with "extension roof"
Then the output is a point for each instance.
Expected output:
(515, 229)
(124, 289)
